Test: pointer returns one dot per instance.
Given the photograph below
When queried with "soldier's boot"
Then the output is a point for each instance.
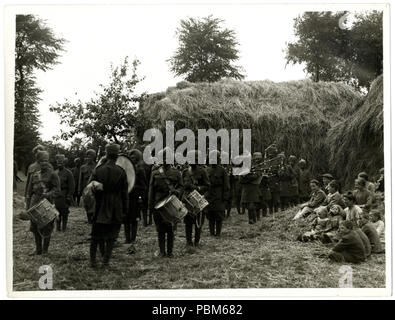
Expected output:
(238, 208)
(161, 240)
(38, 240)
(198, 231)
(102, 247)
(108, 252)
(188, 234)
(254, 215)
(58, 223)
(150, 218)
(46, 242)
(218, 227)
(92, 253)
(211, 226)
(258, 214)
(243, 209)
(65, 218)
(145, 217)
(134, 231)
(127, 233)
(250, 218)
(170, 243)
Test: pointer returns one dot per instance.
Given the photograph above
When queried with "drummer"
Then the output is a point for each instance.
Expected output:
(217, 195)
(44, 183)
(195, 177)
(165, 181)
(65, 197)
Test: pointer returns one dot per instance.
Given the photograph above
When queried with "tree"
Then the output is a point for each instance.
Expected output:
(330, 53)
(206, 51)
(36, 48)
(111, 114)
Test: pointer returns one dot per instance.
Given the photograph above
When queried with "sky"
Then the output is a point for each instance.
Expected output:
(100, 35)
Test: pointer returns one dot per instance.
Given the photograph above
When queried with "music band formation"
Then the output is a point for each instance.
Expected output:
(120, 189)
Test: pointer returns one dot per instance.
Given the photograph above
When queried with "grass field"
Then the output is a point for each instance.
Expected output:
(264, 255)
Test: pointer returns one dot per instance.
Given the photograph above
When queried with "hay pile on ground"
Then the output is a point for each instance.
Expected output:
(296, 114)
(357, 142)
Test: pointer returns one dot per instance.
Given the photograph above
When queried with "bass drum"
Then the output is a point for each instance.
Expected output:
(124, 162)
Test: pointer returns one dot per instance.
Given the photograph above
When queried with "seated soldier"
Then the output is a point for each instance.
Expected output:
(369, 185)
(363, 197)
(365, 241)
(317, 198)
(352, 211)
(378, 224)
(370, 231)
(350, 247)
(319, 225)
(336, 216)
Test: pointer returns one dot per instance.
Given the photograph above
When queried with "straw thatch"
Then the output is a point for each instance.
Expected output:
(296, 114)
(357, 142)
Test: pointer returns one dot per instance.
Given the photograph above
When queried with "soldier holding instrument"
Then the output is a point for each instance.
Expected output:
(195, 177)
(44, 183)
(165, 181)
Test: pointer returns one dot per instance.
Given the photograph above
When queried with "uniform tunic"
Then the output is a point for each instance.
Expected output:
(85, 174)
(139, 191)
(218, 192)
(43, 184)
(63, 198)
(351, 248)
(304, 177)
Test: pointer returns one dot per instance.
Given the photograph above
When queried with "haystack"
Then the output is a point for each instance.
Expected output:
(296, 115)
(357, 142)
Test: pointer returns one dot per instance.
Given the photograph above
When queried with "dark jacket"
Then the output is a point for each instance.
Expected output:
(351, 246)
(250, 188)
(42, 184)
(219, 189)
(139, 191)
(365, 241)
(164, 183)
(196, 179)
(86, 171)
(373, 237)
(63, 198)
(304, 177)
(112, 202)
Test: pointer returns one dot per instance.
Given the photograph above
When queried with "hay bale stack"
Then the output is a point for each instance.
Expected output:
(357, 142)
(296, 114)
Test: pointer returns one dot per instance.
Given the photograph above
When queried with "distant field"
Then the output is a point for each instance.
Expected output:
(264, 255)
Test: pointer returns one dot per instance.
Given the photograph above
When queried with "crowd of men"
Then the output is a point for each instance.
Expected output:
(262, 191)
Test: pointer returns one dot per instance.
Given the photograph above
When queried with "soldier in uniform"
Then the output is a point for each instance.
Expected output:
(304, 177)
(86, 173)
(195, 177)
(64, 197)
(165, 181)
(250, 192)
(111, 205)
(274, 180)
(136, 197)
(293, 186)
(76, 175)
(217, 195)
(44, 183)
(33, 168)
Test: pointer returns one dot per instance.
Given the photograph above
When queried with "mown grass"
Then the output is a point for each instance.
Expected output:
(264, 255)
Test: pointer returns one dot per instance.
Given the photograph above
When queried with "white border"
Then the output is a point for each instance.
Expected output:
(9, 27)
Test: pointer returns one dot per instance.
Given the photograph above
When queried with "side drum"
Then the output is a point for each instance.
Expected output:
(171, 209)
(43, 213)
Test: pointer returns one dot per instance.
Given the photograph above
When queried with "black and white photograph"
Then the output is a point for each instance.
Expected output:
(156, 149)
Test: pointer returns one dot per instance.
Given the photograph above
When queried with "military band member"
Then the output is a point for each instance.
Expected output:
(217, 195)
(111, 205)
(65, 197)
(250, 193)
(136, 197)
(32, 168)
(86, 173)
(274, 180)
(165, 181)
(76, 175)
(44, 183)
(195, 177)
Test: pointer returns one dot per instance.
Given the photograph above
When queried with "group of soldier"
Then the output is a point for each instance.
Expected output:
(267, 190)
